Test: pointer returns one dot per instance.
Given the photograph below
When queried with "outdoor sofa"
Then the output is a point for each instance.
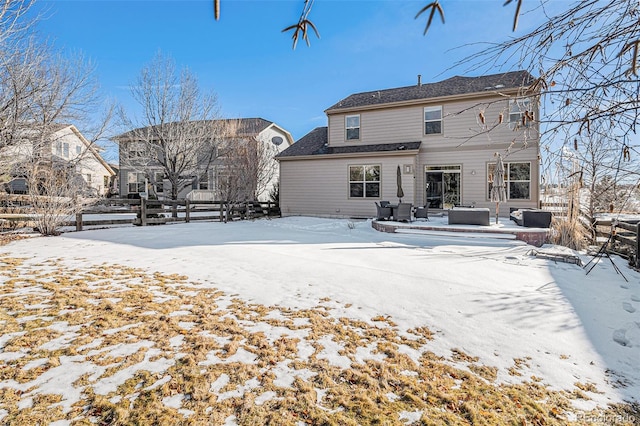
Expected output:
(469, 216)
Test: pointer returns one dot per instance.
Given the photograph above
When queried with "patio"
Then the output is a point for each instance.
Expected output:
(436, 225)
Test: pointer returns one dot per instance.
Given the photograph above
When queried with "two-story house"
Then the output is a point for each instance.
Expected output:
(64, 146)
(443, 136)
(207, 177)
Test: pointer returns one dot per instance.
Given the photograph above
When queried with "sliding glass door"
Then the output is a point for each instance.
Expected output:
(442, 186)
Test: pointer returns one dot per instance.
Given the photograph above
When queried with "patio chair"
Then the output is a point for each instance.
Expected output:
(383, 213)
(403, 212)
(421, 212)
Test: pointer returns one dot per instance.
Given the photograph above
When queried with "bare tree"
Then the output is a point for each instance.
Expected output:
(586, 59)
(606, 173)
(13, 20)
(54, 194)
(248, 168)
(178, 133)
(40, 88)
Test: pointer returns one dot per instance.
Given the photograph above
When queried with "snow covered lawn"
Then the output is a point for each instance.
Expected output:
(307, 321)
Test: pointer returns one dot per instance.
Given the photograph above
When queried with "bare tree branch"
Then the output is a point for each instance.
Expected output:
(435, 7)
(179, 131)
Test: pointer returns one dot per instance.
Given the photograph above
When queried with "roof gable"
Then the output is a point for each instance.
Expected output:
(450, 87)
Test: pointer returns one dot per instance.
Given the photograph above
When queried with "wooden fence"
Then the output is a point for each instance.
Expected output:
(15, 210)
(621, 238)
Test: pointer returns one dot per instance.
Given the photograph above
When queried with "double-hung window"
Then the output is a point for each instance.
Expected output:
(432, 120)
(159, 181)
(65, 150)
(364, 181)
(136, 182)
(517, 109)
(352, 127)
(517, 177)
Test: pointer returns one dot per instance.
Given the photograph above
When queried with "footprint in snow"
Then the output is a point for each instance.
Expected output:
(628, 307)
(635, 298)
(629, 336)
(620, 338)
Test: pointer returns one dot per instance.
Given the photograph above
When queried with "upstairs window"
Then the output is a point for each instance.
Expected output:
(432, 120)
(78, 149)
(352, 127)
(136, 150)
(517, 110)
(65, 150)
(364, 181)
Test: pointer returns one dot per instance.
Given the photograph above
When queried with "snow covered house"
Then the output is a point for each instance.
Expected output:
(207, 174)
(441, 136)
(65, 146)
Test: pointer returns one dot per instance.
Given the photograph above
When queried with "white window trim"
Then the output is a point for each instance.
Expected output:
(425, 121)
(136, 182)
(364, 181)
(507, 180)
(347, 127)
(515, 118)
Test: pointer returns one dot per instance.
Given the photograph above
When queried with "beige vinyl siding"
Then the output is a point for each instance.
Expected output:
(379, 126)
(320, 187)
(474, 186)
(460, 126)
(463, 127)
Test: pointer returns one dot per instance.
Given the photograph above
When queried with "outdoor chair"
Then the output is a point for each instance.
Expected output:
(403, 212)
(531, 218)
(383, 213)
(422, 212)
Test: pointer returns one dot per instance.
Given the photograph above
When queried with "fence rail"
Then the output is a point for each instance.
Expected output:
(15, 210)
(621, 238)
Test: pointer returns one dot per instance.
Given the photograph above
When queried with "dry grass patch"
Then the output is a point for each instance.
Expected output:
(130, 347)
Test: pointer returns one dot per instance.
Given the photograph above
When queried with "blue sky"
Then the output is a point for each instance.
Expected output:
(246, 59)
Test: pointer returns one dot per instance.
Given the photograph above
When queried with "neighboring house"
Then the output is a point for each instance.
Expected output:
(442, 135)
(68, 146)
(203, 182)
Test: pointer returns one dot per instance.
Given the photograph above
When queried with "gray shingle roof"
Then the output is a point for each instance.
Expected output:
(453, 86)
(246, 126)
(315, 143)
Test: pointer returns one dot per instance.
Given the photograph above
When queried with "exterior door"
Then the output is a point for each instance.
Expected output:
(442, 186)
(434, 190)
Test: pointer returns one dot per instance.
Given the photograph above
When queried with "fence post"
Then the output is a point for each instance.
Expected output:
(143, 211)
(79, 221)
(187, 217)
(637, 262)
(221, 212)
